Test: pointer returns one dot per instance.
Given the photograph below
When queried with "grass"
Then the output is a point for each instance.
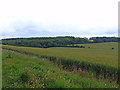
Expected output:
(99, 53)
(25, 71)
(106, 45)
(95, 54)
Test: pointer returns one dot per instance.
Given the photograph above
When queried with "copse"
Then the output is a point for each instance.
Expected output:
(60, 41)
(44, 42)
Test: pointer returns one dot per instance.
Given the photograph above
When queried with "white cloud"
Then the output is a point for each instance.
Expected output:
(60, 15)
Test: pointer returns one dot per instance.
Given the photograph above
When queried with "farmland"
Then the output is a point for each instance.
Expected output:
(97, 54)
(25, 71)
(96, 58)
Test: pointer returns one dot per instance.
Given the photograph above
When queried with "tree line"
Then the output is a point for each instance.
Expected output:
(105, 39)
(46, 42)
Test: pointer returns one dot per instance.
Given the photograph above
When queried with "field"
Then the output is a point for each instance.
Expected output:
(98, 53)
(61, 67)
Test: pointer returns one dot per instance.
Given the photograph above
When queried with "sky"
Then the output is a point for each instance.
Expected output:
(38, 18)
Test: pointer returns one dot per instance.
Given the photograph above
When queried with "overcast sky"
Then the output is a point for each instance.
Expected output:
(81, 18)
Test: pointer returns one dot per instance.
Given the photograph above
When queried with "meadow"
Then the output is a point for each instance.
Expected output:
(99, 60)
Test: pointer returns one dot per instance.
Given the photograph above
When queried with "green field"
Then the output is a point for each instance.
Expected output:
(107, 45)
(99, 53)
(31, 67)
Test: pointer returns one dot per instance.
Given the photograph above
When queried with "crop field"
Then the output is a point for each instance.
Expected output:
(99, 53)
(61, 67)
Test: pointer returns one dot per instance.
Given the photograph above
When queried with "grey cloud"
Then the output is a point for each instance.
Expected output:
(33, 29)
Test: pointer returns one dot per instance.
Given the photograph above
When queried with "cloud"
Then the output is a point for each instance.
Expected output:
(35, 29)
(27, 18)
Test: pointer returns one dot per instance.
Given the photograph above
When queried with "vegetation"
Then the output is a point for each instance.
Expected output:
(46, 42)
(43, 42)
(104, 39)
(28, 71)
(100, 46)
(60, 62)
(87, 59)
(97, 54)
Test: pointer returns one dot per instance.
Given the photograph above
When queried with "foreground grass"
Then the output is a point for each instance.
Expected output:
(23, 71)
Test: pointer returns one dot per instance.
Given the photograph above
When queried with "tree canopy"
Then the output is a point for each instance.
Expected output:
(45, 42)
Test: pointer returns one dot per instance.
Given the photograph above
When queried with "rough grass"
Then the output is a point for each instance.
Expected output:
(98, 53)
(24, 71)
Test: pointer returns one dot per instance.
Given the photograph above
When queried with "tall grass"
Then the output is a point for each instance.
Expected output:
(24, 71)
(70, 59)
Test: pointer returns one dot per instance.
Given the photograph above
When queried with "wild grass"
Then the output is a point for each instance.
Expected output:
(24, 71)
